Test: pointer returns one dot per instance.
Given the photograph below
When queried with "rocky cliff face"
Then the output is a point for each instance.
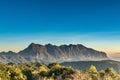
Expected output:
(61, 53)
(51, 53)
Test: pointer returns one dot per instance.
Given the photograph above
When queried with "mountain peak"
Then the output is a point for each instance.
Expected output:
(32, 44)
(10, 52)
(52, 53)
(49, 44)
(69, 52)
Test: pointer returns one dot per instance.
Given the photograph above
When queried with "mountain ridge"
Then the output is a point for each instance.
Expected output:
(52, 53)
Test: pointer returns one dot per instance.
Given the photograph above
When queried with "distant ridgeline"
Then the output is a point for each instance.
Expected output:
(52, 53)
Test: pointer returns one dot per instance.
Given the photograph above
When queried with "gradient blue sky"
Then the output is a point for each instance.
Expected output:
(93, 23)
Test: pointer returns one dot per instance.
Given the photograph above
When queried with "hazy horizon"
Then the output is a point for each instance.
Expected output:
(92, 23)
(17, 43)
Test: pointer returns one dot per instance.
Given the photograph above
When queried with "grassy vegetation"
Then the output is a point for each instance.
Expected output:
(53, 71)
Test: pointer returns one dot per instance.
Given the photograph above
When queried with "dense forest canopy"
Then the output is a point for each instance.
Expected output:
(53, 71)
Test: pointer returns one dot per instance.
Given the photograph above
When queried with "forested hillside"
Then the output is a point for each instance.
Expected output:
(82, 65)
(53, 71)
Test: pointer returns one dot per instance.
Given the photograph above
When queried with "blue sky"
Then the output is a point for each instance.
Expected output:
(93, 23)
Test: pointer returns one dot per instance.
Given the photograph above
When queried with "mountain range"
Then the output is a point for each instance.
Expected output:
(77, 56)
(52, 53)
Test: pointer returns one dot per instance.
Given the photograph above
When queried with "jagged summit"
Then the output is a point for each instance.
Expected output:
(62, 53)
(51, 53)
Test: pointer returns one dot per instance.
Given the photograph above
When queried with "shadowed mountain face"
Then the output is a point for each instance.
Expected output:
(62, 53)
(52, 53)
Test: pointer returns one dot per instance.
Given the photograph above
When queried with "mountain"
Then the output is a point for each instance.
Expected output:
(52, 53)
(7, 57)
(100, 65)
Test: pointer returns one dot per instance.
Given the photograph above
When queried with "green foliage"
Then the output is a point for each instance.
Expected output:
(110, 71)
(28, 74)
(53, 71)
(92, 69)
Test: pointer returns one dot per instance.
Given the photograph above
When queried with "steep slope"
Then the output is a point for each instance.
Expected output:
(51, 53)
(36, 53)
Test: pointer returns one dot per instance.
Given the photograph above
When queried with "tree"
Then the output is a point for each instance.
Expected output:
(92, 69)
(110, 71)
(93, 72)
